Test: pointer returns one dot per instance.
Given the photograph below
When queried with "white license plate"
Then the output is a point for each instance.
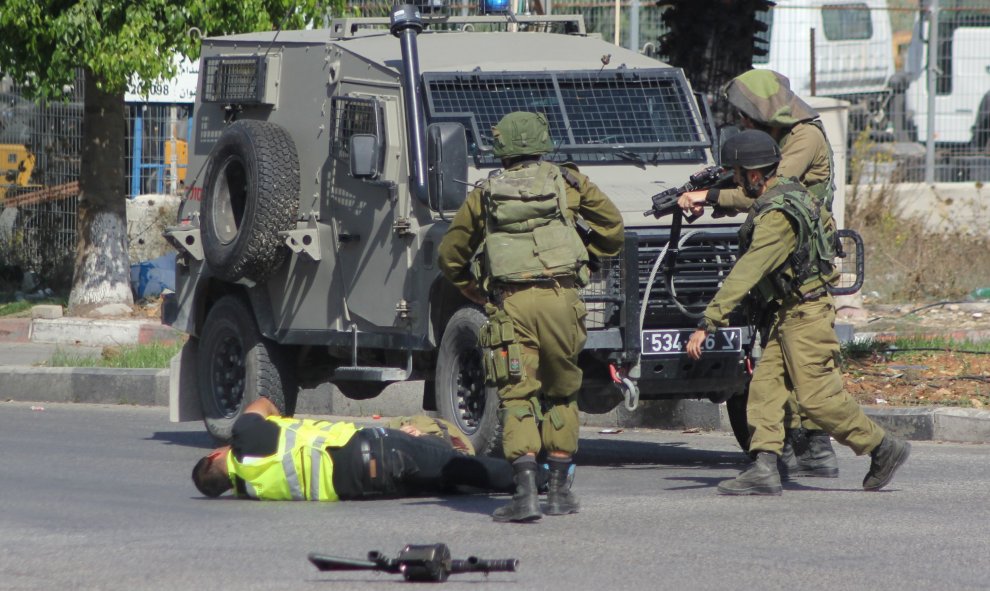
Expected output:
(672, 342)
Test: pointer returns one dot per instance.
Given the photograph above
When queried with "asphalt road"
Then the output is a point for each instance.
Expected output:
(99, 497)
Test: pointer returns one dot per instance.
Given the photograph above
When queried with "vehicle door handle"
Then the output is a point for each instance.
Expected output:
(344, 237)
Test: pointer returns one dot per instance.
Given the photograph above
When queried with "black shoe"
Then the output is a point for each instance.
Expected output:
(525, 504)
(887, 458)
(761, 478)
(560, 499)
(815, 459)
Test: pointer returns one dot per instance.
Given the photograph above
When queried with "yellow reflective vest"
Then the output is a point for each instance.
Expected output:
(301, 469)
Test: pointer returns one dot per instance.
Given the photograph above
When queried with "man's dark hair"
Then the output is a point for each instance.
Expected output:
(211, 483)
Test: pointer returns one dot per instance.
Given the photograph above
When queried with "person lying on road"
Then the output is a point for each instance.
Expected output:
(277, 458)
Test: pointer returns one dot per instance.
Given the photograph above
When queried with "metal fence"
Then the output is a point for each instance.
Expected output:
(39, 182)
(40, 154)
(905, 67)
(947, 90)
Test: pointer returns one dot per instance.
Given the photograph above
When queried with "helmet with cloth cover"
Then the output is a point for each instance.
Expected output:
(766, 97)
(521, 133)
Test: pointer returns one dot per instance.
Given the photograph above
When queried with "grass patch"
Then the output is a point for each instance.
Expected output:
(887, 350)
(149, 356)
(19, 309)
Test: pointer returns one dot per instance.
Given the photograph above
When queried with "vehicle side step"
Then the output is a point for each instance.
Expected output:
(362, 373)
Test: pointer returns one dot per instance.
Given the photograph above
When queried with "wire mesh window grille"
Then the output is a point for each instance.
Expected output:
(593, 116)
(354, 116)
(233, 79)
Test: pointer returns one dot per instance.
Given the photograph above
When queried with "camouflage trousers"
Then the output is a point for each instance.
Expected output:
(539, 407)
(801, 357)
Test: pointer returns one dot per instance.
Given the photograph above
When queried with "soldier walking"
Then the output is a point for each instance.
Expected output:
(763, 100)
(787, 265)
(521, 223)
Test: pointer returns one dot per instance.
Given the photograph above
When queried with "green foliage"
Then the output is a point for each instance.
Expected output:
(15, 308)
(45, 41)
(150, 356)
(886, 350)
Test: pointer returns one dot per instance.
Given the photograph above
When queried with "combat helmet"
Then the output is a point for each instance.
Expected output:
(766, 97)
(521, 133)
(750, 149)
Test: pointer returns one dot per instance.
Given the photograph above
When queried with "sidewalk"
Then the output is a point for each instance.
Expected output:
(27, 343)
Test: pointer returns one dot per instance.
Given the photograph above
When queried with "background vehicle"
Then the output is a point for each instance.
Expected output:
(332, 161)
(962, 85)
(853, 53)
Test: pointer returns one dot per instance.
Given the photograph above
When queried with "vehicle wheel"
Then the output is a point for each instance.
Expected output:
(250, 194)
(235, 365)
(462, 396)
(736, 408)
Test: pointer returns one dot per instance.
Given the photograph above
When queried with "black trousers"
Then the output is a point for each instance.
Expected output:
(379, 462)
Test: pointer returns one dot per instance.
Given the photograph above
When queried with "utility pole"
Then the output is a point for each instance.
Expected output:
(933, 72)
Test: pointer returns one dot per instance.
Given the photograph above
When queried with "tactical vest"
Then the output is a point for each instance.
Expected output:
(301, 469)
(529, 235)
(811, 266)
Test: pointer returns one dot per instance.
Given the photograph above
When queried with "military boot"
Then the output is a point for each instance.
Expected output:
(560, 499)
(525, 503)
(815, 458)
(761, 478)
(886, 459)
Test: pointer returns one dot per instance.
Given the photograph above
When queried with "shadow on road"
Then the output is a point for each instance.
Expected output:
(596, 452)
(200, 439)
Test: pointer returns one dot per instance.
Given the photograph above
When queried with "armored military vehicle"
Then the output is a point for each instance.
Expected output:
(330, 163)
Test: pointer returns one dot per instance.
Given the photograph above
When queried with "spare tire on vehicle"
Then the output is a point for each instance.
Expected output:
(250, 194)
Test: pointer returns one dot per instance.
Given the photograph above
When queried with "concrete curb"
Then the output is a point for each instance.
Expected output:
(148, 387)
(95, 385)
(934, 423)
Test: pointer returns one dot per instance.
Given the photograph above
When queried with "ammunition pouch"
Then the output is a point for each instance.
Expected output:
(502, 355)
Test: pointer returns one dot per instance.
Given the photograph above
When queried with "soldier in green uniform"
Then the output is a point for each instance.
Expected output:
(764, 101)
(520, 222)
(787, 265)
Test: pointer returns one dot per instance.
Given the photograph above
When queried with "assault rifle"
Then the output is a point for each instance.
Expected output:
(665, 203)
(429, 562)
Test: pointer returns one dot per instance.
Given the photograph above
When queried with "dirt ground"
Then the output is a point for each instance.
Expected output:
(922, 378)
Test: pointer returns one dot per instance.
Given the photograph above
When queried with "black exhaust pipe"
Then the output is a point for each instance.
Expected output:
(406, 23)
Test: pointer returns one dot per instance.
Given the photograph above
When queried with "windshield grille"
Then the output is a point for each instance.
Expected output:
(644, 115)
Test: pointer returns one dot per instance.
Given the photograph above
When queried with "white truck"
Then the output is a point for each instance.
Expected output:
(853, 52)
(962, 86)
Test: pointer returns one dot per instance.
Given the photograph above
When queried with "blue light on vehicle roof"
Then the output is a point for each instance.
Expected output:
(494, 6)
